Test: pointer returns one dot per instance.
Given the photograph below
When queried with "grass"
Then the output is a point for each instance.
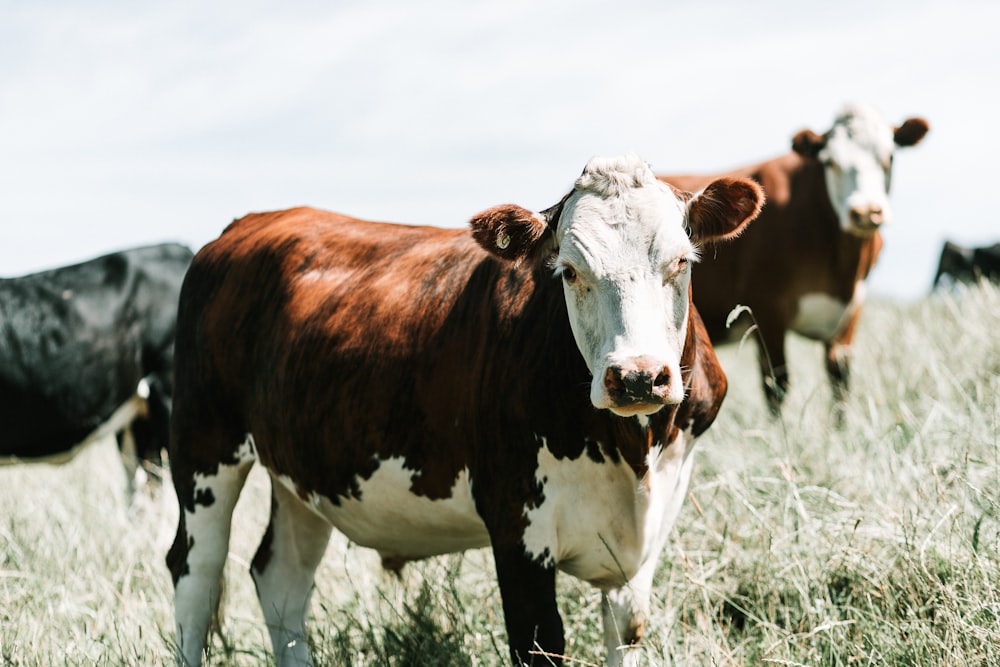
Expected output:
(801, 544)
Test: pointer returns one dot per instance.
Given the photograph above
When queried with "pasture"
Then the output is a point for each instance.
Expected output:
(800, 544)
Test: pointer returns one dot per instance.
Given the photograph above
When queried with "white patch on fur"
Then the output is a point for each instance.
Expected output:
(857, 156)
(601, 524)
(397, 523)
(208, 526)
(821, 316)
(622, 233)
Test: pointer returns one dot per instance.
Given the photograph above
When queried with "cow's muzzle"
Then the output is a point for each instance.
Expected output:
(866, 219)
(639, 382)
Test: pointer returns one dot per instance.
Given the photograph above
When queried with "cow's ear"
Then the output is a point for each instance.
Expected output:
(807, 143)
(910, 132)
(723, 209)
(509, 231)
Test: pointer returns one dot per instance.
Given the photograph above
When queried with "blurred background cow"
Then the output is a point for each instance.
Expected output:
(802, 266)
(959, 264)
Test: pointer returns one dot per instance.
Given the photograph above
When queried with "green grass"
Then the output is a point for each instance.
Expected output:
(801, 543)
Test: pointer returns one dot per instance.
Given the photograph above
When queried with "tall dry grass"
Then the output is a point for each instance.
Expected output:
(802, 543)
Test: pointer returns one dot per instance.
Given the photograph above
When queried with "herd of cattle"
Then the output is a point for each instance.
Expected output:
(534, 385)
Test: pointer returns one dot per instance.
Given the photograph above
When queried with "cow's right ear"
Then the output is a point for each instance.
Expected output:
(807, 143)
(509, 231)
(723, 209)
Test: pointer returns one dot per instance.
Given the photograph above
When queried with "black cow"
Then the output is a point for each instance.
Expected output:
(959, 264)
(86, 351)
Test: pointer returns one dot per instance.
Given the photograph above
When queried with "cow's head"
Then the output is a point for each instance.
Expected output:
(857, 157)
(622, 244)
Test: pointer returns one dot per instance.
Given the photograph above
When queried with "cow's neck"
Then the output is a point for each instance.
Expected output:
(850, 257)
(564, 416)
(857, 255)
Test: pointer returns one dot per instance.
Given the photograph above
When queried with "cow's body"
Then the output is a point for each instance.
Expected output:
(86, 351)
(803, 264)
(425, 396)
(960, 264)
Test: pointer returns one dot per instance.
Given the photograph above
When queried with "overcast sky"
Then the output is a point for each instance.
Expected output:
(126, 123)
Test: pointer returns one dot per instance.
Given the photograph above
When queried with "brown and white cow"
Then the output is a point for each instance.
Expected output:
(802, 265)
(534, 386)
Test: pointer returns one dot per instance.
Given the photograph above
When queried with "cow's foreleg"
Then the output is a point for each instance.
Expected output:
(838, 364)
(283, 570)
(199, 551)
(625, 612)
(528, 589)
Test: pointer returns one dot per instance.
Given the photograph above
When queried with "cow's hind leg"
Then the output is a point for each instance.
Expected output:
(284, 568)
(199, 551)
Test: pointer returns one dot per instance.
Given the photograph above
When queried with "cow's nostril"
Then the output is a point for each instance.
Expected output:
(662, 379)
(613, 381)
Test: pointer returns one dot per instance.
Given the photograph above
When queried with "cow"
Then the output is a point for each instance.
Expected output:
(803, 264)
(959, 264)
(533, 385)
(86, 351)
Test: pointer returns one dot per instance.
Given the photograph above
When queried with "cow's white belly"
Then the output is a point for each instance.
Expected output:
(597, 521)
(397, 523)
(821, 317)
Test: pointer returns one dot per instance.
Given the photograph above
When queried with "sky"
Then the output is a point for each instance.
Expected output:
(130, 123)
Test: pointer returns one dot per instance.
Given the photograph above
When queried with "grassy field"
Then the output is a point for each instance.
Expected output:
(801, 544)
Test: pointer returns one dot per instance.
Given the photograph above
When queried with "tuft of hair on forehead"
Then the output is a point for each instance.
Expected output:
(855, 113)
(862, 123)
(614, 176)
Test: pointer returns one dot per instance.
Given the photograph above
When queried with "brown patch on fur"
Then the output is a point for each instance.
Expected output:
(911, 132)
(706, 382)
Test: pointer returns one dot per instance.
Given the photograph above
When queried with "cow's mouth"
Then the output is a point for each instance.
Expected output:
(637, 409)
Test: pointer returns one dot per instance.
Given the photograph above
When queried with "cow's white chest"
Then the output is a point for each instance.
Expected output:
(391, 519)
(598, 521)
(821, 317)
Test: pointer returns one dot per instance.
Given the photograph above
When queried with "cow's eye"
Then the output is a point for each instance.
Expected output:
(569, 275)
(674, 269)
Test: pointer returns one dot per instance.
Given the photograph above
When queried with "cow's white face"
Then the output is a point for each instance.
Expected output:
(624, 259)
(857, 162)
(857, 156)
(624, 243)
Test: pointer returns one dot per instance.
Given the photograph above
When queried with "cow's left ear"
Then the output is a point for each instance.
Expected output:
(509, 231)
(910, 132)
(807, 143)
(723, 209)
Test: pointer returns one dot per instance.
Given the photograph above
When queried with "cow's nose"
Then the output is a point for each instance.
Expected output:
(867, 217)
(639, 380)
